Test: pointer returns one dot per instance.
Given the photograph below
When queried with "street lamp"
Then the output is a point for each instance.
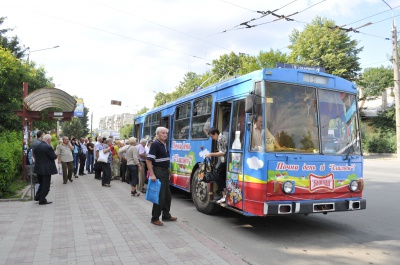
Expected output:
(41, 50)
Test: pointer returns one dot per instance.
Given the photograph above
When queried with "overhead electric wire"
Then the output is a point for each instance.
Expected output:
(265, 13)
(126, 37)
(238, 5)
(158, 24)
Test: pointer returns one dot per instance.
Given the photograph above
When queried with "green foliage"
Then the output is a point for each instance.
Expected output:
(190, 82)
(73, 128)
(227, 65)
(13, 73)
(126, 131)
(320, 45)
(12, 44)
(77, 127)
(10, 159)
(141, 111)
(379, 142)
(375, 80)
(385, 121)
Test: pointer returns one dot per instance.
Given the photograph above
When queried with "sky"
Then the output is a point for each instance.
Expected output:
(129, 50)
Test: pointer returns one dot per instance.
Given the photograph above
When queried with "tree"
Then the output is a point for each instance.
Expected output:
(13, 73)
(141, 111)
(190, 81)
(226, 65)
(73, 128)
(12, 43)
(375, 80)
(321, 44)
(269, 59)
(126, 131)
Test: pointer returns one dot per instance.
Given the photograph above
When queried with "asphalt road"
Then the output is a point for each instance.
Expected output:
(370, 236)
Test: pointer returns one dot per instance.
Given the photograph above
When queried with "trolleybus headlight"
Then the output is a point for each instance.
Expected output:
(353, 186)
(287, 187)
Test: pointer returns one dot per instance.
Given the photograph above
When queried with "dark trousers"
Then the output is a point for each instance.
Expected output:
(106, 179)
(98, 168)
(44, 187)
(67, 168)
(164, 202)
(133, 174)
(122, 171)
(82, 161)
(221, 181)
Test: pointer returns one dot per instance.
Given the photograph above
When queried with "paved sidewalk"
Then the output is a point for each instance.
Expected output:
(91, 224)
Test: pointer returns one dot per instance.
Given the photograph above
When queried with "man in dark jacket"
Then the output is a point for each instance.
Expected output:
(44, 168)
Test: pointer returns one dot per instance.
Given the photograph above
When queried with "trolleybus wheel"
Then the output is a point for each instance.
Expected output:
(200, 195)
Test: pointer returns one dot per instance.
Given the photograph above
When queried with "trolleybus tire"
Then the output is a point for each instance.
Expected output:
(200, 196)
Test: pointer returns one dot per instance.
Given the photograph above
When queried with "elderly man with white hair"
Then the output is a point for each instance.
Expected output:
(44, 168)
(132, 156)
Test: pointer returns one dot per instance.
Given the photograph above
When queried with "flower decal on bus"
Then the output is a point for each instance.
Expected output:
(203, 153)
(255, 163)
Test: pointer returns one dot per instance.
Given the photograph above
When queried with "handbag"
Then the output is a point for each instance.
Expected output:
(153, 191)
(103, 157)
(207, 171)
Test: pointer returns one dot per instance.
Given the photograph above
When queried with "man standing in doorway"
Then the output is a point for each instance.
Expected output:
(158, 166)
(44, 167)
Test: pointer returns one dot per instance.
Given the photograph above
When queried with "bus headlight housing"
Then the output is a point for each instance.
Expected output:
(288, 187)
(353, 186)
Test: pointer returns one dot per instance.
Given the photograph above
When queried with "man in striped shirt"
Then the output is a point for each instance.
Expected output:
(158, 165)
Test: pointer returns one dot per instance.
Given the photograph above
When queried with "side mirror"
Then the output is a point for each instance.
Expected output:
(249, 104)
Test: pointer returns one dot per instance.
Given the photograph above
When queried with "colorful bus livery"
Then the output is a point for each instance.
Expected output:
(297, 142)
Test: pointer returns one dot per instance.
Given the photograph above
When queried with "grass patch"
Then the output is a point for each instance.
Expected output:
(15, 189)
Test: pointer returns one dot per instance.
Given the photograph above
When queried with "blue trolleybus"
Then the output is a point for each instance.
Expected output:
(297, 148)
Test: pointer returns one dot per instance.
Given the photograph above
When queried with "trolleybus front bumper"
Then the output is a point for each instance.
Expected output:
(306, 207)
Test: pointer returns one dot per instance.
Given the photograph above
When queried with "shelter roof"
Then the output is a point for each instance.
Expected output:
(44, 98)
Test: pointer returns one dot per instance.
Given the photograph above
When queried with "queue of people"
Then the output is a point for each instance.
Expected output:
(133, 163)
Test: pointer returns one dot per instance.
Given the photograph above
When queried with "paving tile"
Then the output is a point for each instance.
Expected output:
(87, 224)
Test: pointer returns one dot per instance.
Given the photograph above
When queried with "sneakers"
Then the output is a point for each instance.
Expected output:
(222, 200)
(135, 193)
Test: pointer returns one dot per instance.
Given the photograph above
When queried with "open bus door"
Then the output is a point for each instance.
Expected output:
(231, 123)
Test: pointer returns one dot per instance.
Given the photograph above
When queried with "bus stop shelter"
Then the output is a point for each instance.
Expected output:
(38, 101)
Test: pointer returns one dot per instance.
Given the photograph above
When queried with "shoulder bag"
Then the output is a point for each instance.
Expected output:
(103, 157)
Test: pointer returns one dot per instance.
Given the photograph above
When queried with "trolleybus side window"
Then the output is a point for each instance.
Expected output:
(182, 122)
(201, 118)
(146, 129)
(238, 120)
(155, 122)
(150, 125)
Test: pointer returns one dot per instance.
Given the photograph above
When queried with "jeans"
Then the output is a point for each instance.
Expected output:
(76, 163)
(89, 162)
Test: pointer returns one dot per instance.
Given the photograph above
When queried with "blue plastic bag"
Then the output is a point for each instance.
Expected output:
(153, 191)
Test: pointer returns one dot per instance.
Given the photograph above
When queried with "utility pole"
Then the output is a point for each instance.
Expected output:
(395, 61)
(396, 87)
